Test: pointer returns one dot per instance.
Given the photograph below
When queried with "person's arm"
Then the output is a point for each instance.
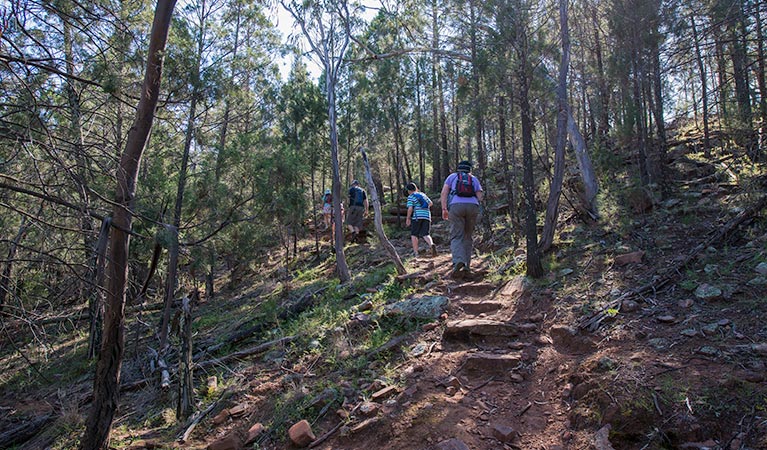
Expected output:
(366, 205)
(479, 195)
(443, 200)
(409, 215)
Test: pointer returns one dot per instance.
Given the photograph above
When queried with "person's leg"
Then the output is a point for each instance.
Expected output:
(414, 241)
(457, 227)
(470, 220)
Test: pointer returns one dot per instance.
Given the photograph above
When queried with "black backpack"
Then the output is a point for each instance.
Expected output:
(356, 197)
(464, 185)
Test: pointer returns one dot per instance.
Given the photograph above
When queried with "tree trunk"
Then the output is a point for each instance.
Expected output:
(107, 377)
(761, 81)
(438, 175)
(96, 297)
(703, 85)
(373, 192)
(6, 277)
(185, 406)
(419, 129)
(552, 209)
(504, 153)
(173, 252)
(534, 266)
(604, 95)
(341, 265)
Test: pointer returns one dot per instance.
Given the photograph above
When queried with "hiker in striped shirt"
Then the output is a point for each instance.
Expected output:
(419, 218)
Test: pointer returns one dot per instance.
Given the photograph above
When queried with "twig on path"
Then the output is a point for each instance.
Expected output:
(325, 436)
(481, 385)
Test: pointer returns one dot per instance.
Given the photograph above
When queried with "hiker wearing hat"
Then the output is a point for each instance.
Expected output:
(460, 199)
(358, 209)
(419, 210)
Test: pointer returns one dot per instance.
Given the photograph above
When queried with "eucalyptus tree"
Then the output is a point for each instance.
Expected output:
(327, 27)
(107, 380)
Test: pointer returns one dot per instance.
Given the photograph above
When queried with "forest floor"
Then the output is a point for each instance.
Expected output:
(647, 333)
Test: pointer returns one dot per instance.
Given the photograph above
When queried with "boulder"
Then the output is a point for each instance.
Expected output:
(429, 307)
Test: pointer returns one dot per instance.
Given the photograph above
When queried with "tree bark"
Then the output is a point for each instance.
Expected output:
(96, 298)
(504, 154)
(552, 209)
(5, 278)
(377, 219)
(107, 379)
(761, 81)
(533, 259)
(185, 406)
(704, 87)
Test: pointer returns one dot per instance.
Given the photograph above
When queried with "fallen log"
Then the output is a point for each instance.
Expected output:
(24, 432)
(261, 348)
(294, 309)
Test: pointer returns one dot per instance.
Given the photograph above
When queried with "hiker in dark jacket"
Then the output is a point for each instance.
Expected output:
(460, 198)
(419, 210)
(358, 209)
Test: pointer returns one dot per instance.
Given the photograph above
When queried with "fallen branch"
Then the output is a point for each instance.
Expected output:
(325, 436)
(245, 353)
(592, 323)
(197, 418)
(302, 304)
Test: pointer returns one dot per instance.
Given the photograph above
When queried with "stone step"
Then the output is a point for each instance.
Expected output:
(492, 362)
(472, 289)
(468, 328)
(481, 307)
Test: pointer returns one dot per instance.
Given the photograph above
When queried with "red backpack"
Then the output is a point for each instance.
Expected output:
(464, 185)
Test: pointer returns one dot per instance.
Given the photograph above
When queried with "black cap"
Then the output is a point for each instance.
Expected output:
(464, 166)
(411, 186)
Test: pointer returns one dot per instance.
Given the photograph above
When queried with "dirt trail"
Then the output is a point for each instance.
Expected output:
(491, 378)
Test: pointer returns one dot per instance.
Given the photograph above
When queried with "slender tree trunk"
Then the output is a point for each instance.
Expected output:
(660, 124)
(534, 266)
(374, 199)
(419, 129)
(6, 277)
(341, 265)
(173, 252)
(96, 298)
(552, 209)
(107, 379)
(639, 122)
(504, 153)
(740, 76)
(185, 404)
(436, 98)
(703, 86)
(604, 96)
(478, 120)
(761, 81)
(724, 85)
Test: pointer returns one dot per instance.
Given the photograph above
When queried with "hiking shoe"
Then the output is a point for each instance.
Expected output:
(433, 250)
(459, 270)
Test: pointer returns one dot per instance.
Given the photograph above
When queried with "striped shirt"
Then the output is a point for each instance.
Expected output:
(418, 211)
